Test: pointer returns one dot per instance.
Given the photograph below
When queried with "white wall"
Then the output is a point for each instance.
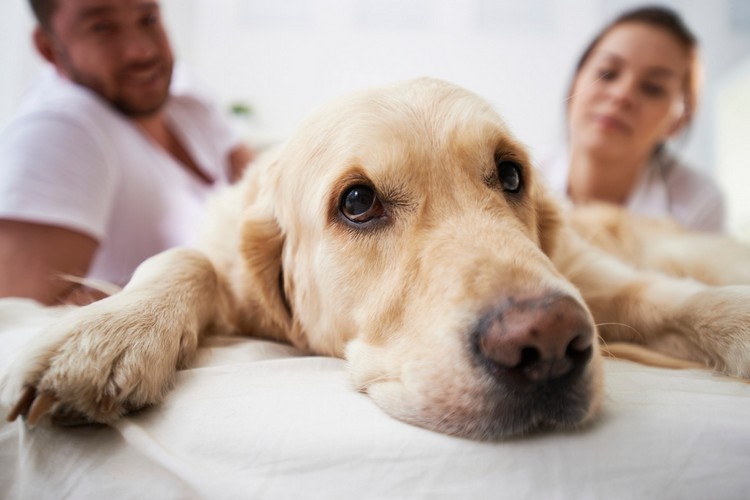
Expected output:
(18, 62)
(285, 57)
(732, 122)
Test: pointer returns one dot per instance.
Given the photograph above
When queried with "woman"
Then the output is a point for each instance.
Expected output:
(635, 87)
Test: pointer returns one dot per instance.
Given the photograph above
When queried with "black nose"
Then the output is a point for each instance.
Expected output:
(534, 339)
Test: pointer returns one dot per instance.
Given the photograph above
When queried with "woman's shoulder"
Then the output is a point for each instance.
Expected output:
(686, 181)
(694, 195)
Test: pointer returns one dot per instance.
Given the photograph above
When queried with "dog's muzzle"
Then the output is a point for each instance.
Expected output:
(534, 350)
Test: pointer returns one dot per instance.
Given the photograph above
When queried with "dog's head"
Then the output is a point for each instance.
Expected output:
(411, 237)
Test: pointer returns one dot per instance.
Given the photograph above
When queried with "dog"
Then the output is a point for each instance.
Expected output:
(405, 230)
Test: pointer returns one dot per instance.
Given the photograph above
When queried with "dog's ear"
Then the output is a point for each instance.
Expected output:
(261, 246)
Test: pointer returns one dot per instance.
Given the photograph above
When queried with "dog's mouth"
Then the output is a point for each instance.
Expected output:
(518, 409)
(534, 351)
(499, 411)
(529, 364)
(492, 412)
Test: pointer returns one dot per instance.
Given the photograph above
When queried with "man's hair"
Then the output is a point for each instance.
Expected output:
(43, 10)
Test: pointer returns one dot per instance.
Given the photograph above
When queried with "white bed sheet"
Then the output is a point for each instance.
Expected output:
(255, 419)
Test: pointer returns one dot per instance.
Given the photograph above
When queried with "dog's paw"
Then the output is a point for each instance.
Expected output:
(719, 319)
(99, 362)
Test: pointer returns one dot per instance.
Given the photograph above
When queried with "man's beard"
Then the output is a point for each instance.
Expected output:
(128, 105)
(139, 108)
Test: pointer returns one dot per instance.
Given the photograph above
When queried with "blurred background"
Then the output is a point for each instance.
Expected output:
(273, 61)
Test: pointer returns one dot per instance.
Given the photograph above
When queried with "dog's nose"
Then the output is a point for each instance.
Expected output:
(535, 339)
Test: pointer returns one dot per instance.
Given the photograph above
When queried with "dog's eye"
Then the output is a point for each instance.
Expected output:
(509, 173)
(360, 204)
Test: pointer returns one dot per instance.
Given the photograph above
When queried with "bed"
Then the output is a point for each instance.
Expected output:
(257, 419)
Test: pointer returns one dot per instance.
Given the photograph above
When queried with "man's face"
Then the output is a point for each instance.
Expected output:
(117, 48)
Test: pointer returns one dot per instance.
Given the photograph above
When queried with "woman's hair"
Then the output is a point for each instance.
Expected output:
(667, 20)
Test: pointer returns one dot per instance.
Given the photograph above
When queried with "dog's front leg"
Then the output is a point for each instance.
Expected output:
(679, 317)
(121, 353)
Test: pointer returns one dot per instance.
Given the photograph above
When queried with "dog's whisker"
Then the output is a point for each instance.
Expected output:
(571, 96)
(605, 348)
(375, 380)
(634, 330)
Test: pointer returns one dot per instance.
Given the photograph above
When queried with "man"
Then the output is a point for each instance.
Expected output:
(109, 160)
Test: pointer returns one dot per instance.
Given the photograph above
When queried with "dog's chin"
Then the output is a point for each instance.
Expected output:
(496, 416)
(557, 405)
(481, 409)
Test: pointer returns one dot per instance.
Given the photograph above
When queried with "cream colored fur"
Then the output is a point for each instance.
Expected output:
(398, 298)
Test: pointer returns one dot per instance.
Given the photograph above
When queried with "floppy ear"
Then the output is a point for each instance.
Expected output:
(261, 245)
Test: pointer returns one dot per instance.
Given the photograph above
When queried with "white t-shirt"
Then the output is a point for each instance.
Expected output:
(70, 160)
(666, 188)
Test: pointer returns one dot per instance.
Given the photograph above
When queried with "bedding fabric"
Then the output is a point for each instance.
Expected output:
(256, 419)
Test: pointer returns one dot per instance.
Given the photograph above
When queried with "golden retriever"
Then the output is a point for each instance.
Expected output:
(405, 230)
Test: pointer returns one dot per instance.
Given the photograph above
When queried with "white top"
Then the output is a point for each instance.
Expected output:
(667, 188)
(70, 160)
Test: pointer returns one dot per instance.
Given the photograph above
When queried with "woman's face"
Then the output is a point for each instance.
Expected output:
(628, 97)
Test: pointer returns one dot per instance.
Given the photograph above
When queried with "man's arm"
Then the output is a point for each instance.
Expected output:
(239, 158)
(34, 257)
